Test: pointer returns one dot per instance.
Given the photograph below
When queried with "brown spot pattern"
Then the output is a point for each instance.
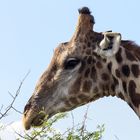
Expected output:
(114, 84)
(95, 90)
(89, 60)
(87, 86)
(130, 56)
(85, 57)
(120, 95)
(81, 39)
(93, 60)
(67, 103)
(126, 70)
(135, 97)
(84, 47)
(109, 66)
(124, 86)
(118, 74)
(118, 56)
(83, 97)
(99, 65)
(82, 67)
(113, 87)
(93, 74)
(89, 45)
(87, 72)
(97, 96)
(76, 86)
(105, 77)
(74, 100)
(88, 52)
(135, 70)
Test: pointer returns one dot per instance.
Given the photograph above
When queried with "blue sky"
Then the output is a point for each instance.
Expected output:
(29, 32)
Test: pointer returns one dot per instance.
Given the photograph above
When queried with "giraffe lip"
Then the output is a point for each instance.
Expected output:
(34, 121)
(38, 120)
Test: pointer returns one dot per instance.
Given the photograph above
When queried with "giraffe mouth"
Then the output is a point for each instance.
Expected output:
(38, 120)
(35, 120)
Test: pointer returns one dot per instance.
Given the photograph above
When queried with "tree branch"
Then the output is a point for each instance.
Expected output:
(2, 115)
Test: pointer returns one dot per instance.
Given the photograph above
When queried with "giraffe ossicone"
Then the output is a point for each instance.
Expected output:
(89, 66)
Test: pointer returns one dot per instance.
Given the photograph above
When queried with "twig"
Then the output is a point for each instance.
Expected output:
(19, 135)
(14, 98)
(73, 123)
(16, 110)
(1, 108)
(11, 94)
(116, 137)
(84, 121)
(69, 130)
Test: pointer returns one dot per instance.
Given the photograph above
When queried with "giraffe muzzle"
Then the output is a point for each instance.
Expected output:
(35, 114)
(33, 118)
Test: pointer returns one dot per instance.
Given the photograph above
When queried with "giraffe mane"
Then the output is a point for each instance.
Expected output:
(131, 46)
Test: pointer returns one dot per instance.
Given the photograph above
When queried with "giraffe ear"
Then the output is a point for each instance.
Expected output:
(110, 44)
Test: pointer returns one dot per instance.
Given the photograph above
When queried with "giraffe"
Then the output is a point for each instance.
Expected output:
(88, 67)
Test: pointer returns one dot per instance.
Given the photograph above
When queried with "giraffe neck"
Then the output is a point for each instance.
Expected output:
(125, 69)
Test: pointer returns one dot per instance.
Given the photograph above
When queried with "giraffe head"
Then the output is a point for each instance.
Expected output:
(78, 73)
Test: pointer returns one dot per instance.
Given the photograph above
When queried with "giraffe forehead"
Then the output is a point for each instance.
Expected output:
(80, 48)
(64, 52)
(60, 53)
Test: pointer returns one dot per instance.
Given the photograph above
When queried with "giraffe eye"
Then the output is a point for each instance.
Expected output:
(71, 63)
